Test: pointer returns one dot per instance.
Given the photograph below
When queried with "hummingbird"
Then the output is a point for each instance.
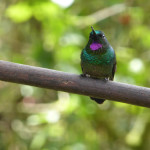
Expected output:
(98, 59)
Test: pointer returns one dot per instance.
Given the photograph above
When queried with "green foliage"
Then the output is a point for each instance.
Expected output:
(20, 12)
(42, 33)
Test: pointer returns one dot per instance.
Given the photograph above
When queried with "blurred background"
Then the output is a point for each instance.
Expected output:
(51, 34)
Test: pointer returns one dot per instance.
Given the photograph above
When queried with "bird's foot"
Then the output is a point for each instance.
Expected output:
(107, 79)
(85, 75)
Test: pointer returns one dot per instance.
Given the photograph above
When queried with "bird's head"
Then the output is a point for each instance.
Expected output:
(97, 41)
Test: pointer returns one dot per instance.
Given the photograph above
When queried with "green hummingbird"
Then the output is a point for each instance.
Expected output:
(98, 59)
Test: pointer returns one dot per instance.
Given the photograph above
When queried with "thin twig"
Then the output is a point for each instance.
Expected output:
(84, 21)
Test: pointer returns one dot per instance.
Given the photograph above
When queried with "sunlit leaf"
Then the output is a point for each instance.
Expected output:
(20, 12)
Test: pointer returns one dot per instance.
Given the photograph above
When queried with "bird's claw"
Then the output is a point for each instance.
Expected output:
(85, 75)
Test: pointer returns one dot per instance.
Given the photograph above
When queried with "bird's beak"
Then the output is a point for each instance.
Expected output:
(94, 33)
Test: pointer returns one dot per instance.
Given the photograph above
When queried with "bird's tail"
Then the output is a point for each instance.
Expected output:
(99, 101)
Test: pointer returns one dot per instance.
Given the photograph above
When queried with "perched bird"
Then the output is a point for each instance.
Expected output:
(98, 59)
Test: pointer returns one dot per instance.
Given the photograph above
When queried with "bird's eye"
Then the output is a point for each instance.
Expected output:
(103, 36)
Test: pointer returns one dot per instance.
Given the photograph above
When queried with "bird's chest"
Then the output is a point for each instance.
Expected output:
(97, 65)
(97, 59)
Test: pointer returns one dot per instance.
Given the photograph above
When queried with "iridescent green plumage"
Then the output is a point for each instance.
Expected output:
(98, 58)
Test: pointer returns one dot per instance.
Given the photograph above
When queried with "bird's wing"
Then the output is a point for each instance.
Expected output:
(113, 71)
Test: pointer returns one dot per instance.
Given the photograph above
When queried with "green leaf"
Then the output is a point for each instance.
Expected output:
(20, 12)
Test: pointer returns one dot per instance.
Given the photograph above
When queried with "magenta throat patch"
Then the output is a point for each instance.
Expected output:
(95, 46)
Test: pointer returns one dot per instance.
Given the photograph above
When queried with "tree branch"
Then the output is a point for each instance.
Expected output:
(72, 83)
(84, 21)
